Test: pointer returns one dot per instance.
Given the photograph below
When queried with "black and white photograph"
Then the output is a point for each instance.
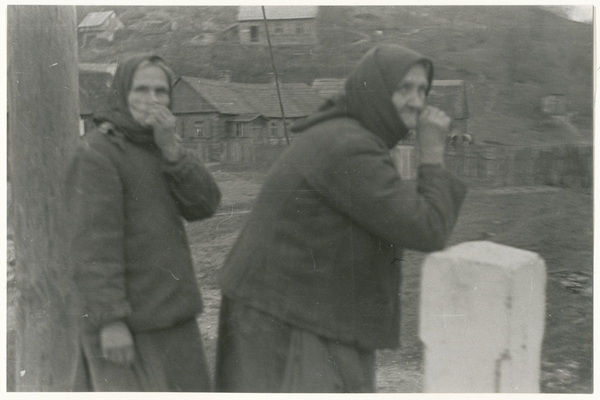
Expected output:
(300, 198)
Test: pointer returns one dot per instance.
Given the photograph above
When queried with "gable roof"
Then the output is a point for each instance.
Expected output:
(245, 117)
(95, 19)
(253, 13)
(298, 99)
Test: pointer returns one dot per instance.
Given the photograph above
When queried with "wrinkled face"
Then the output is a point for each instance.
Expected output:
(149, 88)
(409, 97)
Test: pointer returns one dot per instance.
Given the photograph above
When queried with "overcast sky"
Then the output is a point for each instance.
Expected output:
(582, 13)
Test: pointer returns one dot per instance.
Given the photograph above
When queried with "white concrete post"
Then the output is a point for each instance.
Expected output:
(482, 319)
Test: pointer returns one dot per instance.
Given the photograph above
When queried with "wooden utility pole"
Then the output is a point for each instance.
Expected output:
(43, 126)
(287, 139)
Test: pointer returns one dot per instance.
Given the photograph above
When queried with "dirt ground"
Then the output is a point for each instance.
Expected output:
(554, 222)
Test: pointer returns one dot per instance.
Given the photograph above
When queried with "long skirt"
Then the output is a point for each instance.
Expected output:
(170, 359)
(257, 352)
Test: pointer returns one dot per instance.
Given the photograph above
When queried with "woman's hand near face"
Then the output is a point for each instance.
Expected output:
(163, 123)
(432, 131)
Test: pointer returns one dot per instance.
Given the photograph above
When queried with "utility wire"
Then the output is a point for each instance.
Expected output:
(287, 139)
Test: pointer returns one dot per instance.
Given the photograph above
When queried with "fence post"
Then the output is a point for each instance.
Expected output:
(482, 319)
(406, 160)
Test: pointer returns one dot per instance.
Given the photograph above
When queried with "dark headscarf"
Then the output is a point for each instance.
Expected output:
(116, 110)
(368, 93)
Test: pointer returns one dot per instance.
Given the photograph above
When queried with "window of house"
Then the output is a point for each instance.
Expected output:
(300, 29)
(278, 29)
(273, 128)
(254, 33)
(239, 129)
(199, 128)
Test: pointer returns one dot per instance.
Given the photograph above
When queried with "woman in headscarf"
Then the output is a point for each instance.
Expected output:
(310, 288)
(130, 184)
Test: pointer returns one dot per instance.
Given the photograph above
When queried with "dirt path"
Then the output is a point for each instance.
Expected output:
(393, 376)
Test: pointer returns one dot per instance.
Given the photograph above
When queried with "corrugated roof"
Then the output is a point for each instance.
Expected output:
(94, 19)
(298, 99)
(252, 13)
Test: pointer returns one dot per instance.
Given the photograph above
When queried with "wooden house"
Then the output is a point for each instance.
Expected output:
(238, 122)
(288, 25)
(553, 104)
(94, 85)
(451, 97)
(102, 25)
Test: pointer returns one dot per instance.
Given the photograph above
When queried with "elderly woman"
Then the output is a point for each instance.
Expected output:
(310, 288)
(130, 184)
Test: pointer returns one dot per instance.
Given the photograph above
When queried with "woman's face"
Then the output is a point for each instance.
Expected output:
(409, 97)
(149, 88)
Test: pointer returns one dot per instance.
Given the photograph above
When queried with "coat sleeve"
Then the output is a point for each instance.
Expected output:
(193, 187)
(95, 197)
(359, 179)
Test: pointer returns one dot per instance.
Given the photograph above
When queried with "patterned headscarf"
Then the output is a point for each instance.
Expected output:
(368, 93)
(116, 110)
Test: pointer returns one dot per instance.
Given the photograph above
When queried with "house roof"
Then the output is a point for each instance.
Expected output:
(449, 95)
(100, 68)
(95, 19)
(252, 13)
(245, 117)
(299, 99)
(328, 87)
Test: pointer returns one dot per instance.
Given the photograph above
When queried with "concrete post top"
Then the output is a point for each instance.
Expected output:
(490, 253)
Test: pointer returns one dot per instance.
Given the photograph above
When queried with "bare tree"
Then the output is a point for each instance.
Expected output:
(43, 127)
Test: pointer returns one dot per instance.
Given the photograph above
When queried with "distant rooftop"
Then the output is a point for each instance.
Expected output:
(95, 19)
(249, 100)
(328, 87)
(252, 13)
(106, 68)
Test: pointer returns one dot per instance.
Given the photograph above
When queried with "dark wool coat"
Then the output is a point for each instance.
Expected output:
(129, 246)
(322, 247)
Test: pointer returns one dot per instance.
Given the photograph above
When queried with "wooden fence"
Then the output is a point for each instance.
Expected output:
(564, 165)
(487, 165)
(245, 151)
